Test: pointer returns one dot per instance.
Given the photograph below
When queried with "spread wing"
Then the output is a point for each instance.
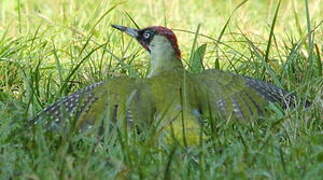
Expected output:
(104, 100)
(234, 96)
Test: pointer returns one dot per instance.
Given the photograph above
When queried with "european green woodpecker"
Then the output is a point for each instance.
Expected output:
(178, 100)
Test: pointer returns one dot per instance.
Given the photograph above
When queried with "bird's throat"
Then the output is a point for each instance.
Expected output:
(163, 64)
(163, 58)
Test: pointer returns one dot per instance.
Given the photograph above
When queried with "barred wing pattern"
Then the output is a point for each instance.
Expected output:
(69, 106)
(272, 93)
(239, 97)
(99, 101)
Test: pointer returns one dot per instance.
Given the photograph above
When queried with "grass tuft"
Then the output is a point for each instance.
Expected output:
(49, 49)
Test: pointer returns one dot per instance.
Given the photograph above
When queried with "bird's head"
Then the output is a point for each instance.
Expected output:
(161, 43)
(154, 38)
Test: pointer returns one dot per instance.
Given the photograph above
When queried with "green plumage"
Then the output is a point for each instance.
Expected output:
(174, 99)
(167, 98)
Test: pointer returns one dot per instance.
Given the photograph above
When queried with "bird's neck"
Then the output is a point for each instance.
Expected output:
(163, 57)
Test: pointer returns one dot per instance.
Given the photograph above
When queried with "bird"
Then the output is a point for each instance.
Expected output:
(170, 97)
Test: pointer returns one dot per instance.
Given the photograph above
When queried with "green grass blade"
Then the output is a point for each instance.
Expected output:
(196, 62)
(132, 20)
(271, 35)
(217, 59)
(319, 61)
(194, 44)
(58, 64)
(73, 71)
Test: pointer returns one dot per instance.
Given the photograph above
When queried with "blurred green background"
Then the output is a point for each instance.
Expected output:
(50, 48)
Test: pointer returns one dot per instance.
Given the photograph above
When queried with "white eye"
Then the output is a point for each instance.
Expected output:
(146, 35)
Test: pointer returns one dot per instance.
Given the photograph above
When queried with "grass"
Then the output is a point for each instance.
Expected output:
(49, 49)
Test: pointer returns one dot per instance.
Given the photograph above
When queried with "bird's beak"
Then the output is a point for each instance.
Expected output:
(132, 32)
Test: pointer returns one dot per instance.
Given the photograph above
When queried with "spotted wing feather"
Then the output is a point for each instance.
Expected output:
(69, 106)
(240, 97)
(272, 93)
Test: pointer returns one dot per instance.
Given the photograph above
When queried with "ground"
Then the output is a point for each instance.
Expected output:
(51, 48)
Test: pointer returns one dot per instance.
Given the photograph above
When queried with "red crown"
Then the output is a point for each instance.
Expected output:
(170, 35)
